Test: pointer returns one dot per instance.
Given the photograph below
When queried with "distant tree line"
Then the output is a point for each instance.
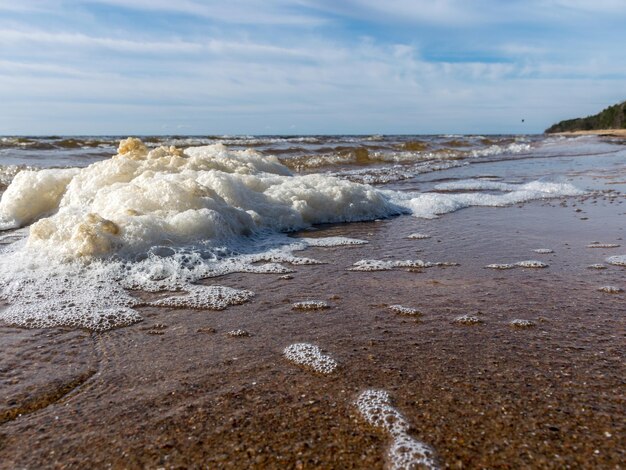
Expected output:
(613, 117)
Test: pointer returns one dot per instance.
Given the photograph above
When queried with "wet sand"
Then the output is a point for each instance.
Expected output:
(176, 391)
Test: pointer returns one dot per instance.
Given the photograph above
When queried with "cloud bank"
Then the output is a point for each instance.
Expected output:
(359, 66)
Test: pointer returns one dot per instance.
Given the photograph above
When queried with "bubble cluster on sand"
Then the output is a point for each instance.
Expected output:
(405, 452)
(619, 260)
(70, 296)
(402, 310)
(206, 297)
(611, 289)
(520, 264)
(310, 356)
(334, 241)
(531, 264)
(596, 266)
(603, 245)
(368, 265)
(238, 334)
(543, 251)
(520, 323)
(500, 266)
(310, 305)
(418, 236)
(467, 320)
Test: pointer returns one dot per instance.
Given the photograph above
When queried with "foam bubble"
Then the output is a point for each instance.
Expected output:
(596, 266)
(206, 297)
(543, 251)
(418, 236)
(611, 289)
(405, 451)
(531, 264)
(239, 334)
(334, 241)
(400, 309)
(520, 264)
(520, 323)
(619, 260)
(382, 265)
(310, 356)
(70, 295)
(431, 205)
(467, 320)
(603, 245)
(500, 266)
(310, 305)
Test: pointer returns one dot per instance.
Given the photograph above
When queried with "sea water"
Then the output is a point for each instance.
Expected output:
(88, 220)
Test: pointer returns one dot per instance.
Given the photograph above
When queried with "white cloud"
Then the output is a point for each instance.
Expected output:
(232, 77)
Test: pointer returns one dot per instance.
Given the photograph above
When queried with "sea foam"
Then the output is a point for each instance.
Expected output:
(142, 198)
(404, 451)
(310, 356)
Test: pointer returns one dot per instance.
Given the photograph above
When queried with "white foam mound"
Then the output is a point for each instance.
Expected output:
(31, 194)
(310, 356)
(206, 297)
(619, 260)
(142, 198)
(405, 451)
(543, 251)
(603, 245)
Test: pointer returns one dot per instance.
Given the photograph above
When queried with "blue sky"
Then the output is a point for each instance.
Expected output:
(306, 66)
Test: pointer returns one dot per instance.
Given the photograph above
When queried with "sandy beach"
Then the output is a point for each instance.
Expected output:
(494, 368)
(312, 235)
(599, 132)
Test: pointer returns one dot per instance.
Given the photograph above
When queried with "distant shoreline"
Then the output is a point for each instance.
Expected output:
(602, 132)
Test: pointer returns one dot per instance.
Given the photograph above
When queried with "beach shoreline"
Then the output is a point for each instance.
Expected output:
(175, 390)
(598, 132)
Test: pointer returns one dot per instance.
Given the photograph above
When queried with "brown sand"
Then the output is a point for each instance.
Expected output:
(175, 391)
(600, 132)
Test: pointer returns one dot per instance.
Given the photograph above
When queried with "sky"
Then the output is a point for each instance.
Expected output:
(204, 67)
